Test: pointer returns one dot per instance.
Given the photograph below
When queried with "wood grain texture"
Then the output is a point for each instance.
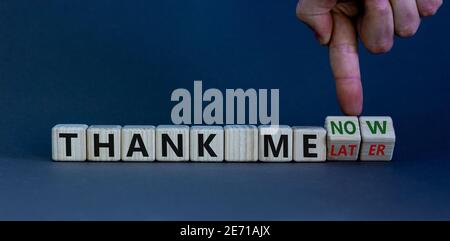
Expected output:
(178, 136)
(104, 143)
(378, 138)
(204, 137)
(275, 143)
(241, 143)
(343, 138)
(310, 144)
(69, 142)
(138, 143)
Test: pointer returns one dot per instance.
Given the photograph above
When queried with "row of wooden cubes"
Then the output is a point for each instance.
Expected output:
(343, 138)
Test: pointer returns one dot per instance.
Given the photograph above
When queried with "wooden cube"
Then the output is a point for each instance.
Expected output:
(138, 143)
(241, 143)
(310, 144)
(378, 138)
(343, 138)
(172, 143)
(275, 143)
(206, 143)
(69, 142)
(103, 142)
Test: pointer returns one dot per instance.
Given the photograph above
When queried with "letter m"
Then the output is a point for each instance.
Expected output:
(283, 142)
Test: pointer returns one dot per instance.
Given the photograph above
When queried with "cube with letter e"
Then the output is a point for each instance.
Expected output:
(309, 144)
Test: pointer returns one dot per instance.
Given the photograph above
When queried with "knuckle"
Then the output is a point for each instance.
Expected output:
(380, 6)
(344, 47)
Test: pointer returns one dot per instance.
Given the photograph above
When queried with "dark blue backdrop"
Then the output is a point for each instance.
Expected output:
(116, 62)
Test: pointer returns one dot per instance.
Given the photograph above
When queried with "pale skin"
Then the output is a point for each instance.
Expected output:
(339, 23)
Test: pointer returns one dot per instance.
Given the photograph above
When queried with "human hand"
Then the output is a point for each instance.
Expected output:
(339, 23)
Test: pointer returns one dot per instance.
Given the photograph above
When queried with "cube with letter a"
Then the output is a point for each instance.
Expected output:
(138, 143)
(343, 138)
(378, 138)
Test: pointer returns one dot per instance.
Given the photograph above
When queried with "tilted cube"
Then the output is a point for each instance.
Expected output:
(378, 138)
(343, 138)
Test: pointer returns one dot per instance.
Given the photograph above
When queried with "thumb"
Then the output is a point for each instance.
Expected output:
(316, 14)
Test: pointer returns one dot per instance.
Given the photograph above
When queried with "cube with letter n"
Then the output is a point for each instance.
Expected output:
(172, 143)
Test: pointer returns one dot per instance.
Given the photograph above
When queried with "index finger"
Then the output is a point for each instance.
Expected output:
(343, 51)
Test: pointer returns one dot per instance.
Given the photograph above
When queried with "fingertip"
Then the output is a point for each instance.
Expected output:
(380, 47)
(352, 111)
(350, 98)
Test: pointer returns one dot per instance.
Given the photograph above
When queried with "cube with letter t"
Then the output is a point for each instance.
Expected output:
(343, 138)
(103, 142)
(69, 142)
(172, 143)
(378, 138)
(309, 144)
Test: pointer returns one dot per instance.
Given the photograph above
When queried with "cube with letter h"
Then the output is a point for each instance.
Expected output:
(343, 138)
(104, 142)
(378, 138)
